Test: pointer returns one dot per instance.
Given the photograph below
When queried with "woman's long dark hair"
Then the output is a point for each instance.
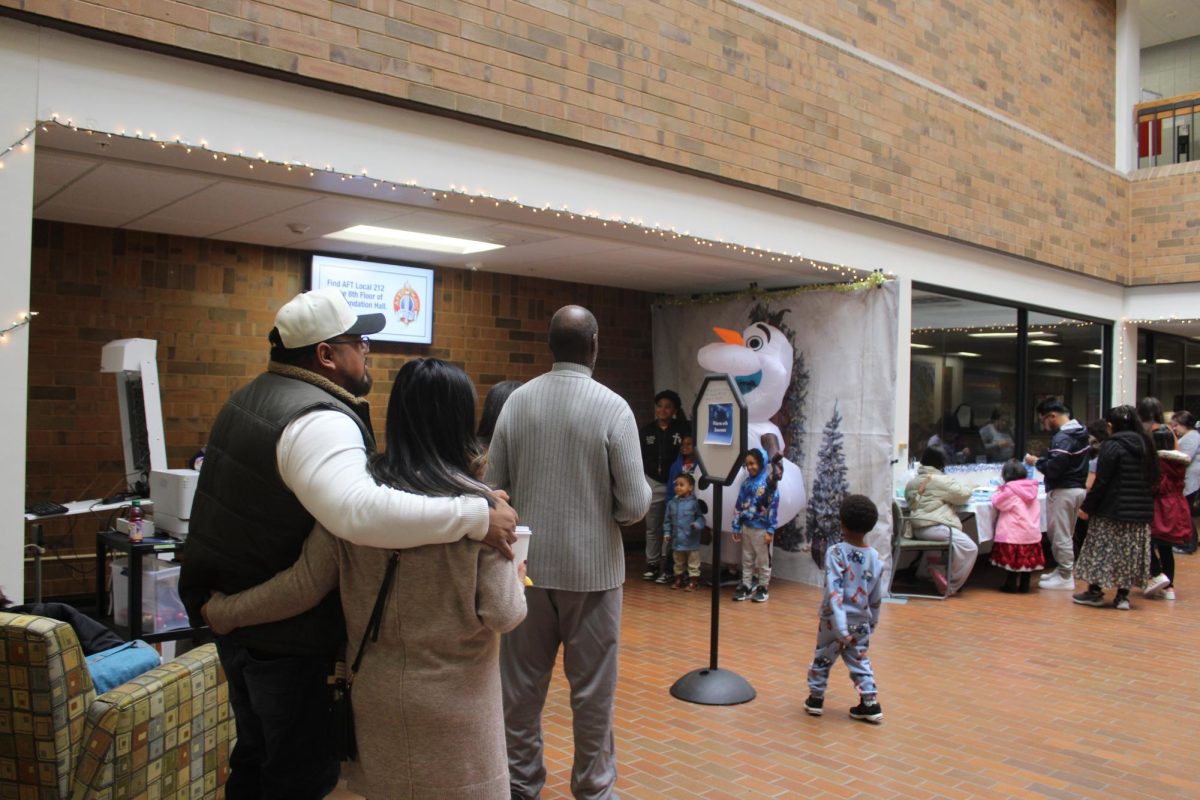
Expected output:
(496, 397)
(1125, 418)
(431, 444)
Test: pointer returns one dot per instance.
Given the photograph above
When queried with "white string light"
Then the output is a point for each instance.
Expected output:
(24, 320)
(840, 272)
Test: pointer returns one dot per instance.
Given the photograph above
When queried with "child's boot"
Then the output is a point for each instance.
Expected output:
(1024, 583)
(1010, 583)
(678, 584)
(692, 585)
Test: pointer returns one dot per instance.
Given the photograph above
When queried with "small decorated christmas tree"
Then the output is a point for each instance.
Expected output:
(829, 489)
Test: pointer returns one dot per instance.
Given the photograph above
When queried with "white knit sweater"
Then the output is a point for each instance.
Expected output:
(566, 450)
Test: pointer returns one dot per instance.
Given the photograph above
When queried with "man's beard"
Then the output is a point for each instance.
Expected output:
(360, 387)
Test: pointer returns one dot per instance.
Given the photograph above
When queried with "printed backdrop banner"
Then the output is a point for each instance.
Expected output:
(818, 372)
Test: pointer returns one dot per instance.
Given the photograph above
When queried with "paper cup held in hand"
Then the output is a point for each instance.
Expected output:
(521, 546)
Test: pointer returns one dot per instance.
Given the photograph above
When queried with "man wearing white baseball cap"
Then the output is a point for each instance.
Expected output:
(287, 451)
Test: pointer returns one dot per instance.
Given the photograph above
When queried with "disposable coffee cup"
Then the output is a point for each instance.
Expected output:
(521, 546)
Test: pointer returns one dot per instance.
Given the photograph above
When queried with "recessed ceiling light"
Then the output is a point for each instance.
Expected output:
(392, 237)
(1091, 366)
(1043, 343)
(995, 335)
(1049, 360)
(916, 346)
(1163, 361)
(1096, 352)
(966, 354)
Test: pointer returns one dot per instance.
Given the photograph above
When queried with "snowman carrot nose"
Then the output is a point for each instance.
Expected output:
(729, 337)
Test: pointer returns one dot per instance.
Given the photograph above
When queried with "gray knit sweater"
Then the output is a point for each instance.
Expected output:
(566, 450)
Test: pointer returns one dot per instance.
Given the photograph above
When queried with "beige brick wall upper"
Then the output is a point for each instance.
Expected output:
(1164, 218)
(1047, 65)
(721, 90)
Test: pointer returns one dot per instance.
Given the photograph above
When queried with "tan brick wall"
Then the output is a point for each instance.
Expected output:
(1047, 65)
(1164, 220)
(210, 305)
(718, 89)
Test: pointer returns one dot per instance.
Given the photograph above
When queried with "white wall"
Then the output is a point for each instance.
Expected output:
(18, 65)
(109, 88)
(1172, 69)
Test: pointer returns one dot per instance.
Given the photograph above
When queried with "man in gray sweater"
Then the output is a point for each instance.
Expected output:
(566, 450)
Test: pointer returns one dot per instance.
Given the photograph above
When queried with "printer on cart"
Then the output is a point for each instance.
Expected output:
(172, 491)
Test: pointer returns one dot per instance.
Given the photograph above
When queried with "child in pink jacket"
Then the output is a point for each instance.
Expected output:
(1018, 544)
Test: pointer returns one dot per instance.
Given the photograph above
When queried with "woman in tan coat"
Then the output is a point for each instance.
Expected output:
(427, 705)
(933, 499)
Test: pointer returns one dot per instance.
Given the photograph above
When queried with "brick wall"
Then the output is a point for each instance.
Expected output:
(1165, 225)
(210, 305)
(721, 90)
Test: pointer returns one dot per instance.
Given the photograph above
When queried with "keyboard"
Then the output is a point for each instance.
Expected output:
(45, 509)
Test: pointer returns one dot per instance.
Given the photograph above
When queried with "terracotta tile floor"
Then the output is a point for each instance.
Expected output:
(986, 695)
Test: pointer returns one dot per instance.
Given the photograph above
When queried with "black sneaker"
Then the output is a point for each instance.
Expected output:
(1089, 598)
(741, 593)
(664, 577)
(867, 713)
(651, 573)
(760, 594)
(814, 706)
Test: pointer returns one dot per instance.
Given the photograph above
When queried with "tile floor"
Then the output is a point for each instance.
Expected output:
(985, 695)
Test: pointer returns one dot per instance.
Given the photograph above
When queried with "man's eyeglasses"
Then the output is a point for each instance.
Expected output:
(362, 341)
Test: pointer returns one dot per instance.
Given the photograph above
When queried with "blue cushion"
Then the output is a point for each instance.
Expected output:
(110, 668)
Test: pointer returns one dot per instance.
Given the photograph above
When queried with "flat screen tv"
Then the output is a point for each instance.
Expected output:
(402, 293)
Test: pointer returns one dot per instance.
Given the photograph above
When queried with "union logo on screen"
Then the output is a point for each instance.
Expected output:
(406, 304)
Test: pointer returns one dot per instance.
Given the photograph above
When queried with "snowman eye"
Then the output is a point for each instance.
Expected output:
(755, 343)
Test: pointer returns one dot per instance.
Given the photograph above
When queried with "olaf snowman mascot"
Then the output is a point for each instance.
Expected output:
(759, 359)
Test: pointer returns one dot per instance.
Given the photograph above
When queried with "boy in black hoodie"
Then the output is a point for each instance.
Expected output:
(1065, 468)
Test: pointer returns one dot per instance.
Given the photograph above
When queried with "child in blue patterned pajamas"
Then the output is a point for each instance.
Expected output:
(849, 611)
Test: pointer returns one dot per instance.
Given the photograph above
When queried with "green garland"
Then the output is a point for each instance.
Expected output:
(876, 279)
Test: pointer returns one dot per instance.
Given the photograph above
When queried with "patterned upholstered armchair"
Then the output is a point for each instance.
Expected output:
(166, 733)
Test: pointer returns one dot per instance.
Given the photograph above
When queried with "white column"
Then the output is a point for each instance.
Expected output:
(1125, 367)
(18, 65)
(1128, 84)
(903, 447)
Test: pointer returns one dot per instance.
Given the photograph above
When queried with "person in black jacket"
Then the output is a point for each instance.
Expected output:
(1120, 508)
(661, 438)
(1065, 468)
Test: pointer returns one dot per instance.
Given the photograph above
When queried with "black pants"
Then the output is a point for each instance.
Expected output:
(1162, 559)
(281, 707)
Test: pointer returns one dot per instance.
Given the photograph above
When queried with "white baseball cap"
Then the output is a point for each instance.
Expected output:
(320, 315)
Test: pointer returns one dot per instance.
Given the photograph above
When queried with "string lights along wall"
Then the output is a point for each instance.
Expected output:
(457, 195)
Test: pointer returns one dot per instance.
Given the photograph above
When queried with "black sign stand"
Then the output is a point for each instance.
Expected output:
(713, 686)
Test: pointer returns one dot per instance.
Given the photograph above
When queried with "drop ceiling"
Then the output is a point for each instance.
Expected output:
(1163, 21)
(137, 185)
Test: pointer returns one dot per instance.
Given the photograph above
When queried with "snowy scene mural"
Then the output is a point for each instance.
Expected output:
(818, 372)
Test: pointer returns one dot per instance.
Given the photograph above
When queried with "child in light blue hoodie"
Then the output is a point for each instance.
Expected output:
(756, 510)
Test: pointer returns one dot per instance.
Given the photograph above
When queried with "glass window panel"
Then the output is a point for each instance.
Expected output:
(963, 378)
(1168, 371)
(1065, 362)
(1191, 379)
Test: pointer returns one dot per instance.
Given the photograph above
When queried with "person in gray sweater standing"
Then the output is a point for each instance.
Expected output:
(566, 450)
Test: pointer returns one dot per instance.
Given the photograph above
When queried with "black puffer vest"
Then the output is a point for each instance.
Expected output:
(1121, 490)
(246, 524)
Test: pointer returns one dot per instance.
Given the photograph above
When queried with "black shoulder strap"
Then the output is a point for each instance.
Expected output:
(376, 620)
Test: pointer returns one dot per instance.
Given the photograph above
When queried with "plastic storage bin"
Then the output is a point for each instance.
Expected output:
(162, 610)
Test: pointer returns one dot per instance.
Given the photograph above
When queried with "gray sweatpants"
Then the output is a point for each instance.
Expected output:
(1062, 509)
(588, 626)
